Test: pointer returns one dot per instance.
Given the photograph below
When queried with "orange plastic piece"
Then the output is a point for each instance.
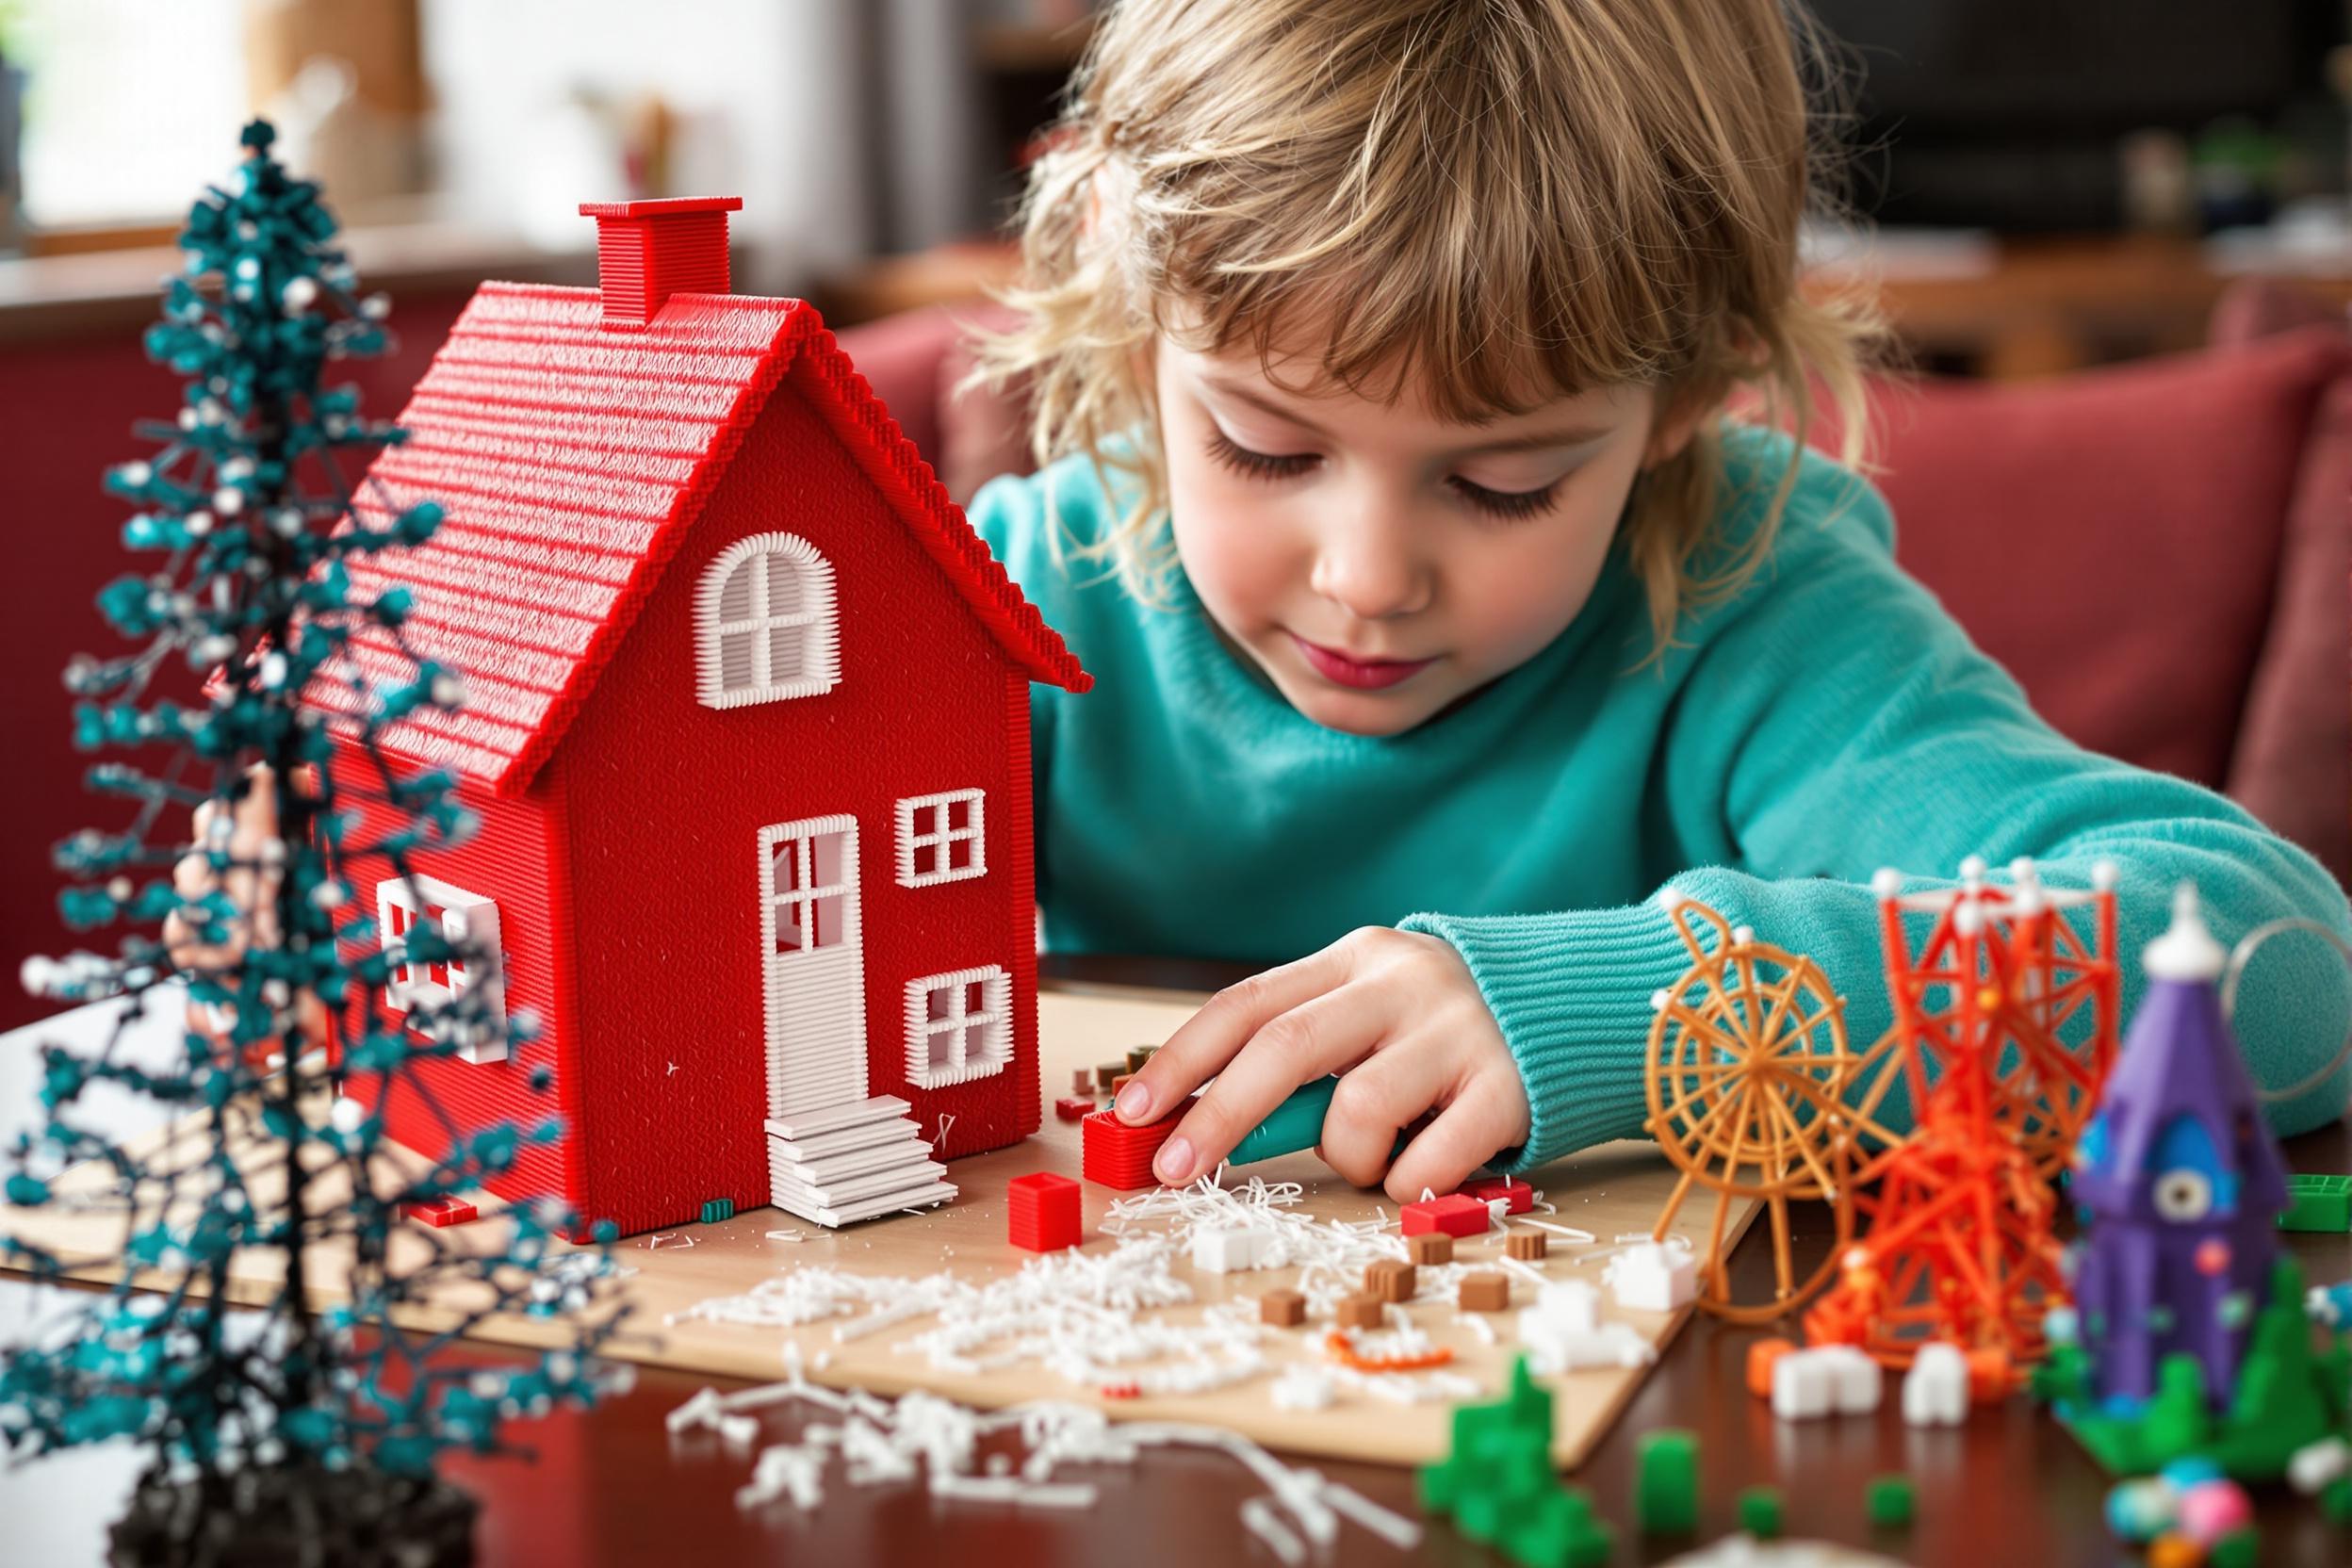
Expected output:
(1992, 1376)
(1122, 1391)
(1343, 1350)
(1959, 1243)
(1762, 1357)
(2174, 1550)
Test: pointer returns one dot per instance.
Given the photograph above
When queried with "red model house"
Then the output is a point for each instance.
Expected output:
(747, 723)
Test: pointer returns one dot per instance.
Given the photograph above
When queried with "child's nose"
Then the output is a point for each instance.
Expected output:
(1370, 568)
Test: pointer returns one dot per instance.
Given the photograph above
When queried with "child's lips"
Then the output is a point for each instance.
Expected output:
(1361, 674)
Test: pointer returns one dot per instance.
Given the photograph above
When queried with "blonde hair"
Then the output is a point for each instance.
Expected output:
(1517, 199)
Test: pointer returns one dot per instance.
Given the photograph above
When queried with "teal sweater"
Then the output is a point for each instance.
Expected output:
(1829, 719)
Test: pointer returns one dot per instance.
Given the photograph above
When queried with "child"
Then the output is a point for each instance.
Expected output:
(1381, 352)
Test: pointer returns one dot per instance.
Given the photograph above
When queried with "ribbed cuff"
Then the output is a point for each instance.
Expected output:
(1572, 991)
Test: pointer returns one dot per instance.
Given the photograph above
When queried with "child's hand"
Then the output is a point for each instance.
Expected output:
(1397, 1013)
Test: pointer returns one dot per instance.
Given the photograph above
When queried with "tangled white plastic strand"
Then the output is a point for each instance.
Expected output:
(881, 1442)
(1330, 1254)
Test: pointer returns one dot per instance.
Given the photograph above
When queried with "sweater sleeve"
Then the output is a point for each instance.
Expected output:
(1835, 720)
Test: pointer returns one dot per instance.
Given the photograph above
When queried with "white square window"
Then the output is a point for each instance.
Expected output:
(959, 1026)
(942, 837)
(467, 921)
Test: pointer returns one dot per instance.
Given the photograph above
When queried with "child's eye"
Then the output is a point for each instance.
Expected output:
(1508, 503)
(1249, 464)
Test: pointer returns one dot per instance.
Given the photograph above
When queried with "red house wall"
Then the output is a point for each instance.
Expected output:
(666, 800)
(509, 861)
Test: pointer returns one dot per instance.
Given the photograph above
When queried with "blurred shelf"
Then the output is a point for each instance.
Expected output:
(87, 292)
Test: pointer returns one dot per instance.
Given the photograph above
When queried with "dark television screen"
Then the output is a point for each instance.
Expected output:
(2008, 113)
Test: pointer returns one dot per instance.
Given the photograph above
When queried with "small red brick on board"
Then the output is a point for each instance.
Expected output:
(1517, 1197)
(442, 1212)
(1455, 1215)
(1041, 1211)
(1071, 1108)
(1120, 1156)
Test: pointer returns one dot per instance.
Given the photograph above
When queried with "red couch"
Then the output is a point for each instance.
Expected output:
(2159, 552)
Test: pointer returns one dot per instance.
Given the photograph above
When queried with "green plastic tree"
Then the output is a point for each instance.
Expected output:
(277, 1418)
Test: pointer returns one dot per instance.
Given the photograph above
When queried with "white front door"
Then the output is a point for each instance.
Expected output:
(813, 965)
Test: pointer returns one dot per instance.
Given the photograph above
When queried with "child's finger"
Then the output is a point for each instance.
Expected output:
(1443, 1156)
(1325, 1033)
(1204, 1043)
(1375, 1099)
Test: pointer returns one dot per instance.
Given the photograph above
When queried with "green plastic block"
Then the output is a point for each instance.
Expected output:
(2335, 1501)
(1891, 1502)
(1561, 1533)
(2318, 1203)
(1759, 1511)
(2238, 1549)
(718, 1209)
(1666, 1487)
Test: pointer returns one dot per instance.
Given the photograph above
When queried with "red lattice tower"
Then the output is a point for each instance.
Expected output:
(1957, 1244)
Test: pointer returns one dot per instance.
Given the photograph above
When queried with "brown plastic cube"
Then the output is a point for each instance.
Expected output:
(1483, 1293)
(1281, 1309)
(1359, 1312)
(1104, 1074)
(1429, 1248)
(1526, 1246)
(1390, 1280)
(1081, 1081)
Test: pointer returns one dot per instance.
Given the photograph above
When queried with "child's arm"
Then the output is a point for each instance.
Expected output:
(1834, 724)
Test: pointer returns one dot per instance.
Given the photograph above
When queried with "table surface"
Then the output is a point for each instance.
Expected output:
(610, 1486)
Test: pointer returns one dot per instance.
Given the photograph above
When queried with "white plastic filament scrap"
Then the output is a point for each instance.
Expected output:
(880, 1442)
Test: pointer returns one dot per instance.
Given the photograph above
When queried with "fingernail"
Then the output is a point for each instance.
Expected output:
(1133, 1101)
(1174, 1162)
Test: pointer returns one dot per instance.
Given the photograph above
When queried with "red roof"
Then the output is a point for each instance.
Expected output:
(571, 461)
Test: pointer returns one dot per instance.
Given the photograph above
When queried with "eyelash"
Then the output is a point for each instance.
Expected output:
(1506, 505)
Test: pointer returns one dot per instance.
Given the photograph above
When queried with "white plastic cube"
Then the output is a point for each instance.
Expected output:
(1653, 1276)
(1231, 1251)
(1935, 1390)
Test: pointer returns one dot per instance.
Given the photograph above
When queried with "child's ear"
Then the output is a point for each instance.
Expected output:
(1676, 425)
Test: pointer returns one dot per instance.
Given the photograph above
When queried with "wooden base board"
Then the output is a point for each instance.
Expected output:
(1618, 1188)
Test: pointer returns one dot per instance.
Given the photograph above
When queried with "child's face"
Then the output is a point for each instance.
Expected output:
(1380, 563)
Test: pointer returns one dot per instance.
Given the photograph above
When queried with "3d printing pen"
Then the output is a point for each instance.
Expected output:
(1296, 1123)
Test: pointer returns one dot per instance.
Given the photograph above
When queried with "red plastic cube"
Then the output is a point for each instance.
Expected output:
(1120, 1156)
(1517, 1197)
(1041, 1211)
(1456, 1215)
(443, 1211)
(1069, 1107)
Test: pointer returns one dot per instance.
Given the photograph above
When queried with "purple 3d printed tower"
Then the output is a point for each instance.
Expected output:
(2179, 1182)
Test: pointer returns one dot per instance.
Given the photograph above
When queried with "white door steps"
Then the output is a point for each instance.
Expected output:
(848, 1162)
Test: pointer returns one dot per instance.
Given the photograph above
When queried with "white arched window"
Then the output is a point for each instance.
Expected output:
(765, 624)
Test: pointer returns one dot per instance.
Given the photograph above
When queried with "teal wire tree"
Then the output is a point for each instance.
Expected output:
(316, 1426)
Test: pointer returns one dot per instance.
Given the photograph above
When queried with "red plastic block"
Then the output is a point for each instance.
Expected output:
(1041, 1211)
(1456, 1213)
(443, 1211)
(1517, 1197)
(1120, 1156)
(1071, 1108)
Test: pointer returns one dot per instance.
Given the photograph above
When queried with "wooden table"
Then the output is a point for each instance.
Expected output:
(610, 1486)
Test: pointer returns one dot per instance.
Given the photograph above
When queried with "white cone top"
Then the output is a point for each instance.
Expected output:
(2188, 951)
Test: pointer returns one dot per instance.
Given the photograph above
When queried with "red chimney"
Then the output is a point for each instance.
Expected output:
(648, 250)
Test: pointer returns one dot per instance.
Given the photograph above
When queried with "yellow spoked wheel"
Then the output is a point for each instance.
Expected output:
(1747, 1077)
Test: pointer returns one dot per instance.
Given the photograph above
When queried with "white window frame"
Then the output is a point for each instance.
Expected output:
(922, 823)
(983, 1042)
(467, 920)
(807, 895)
(819, 614)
